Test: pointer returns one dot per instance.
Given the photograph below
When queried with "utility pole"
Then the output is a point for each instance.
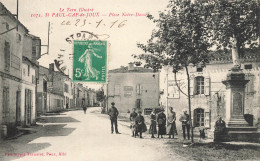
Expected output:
(48, 41)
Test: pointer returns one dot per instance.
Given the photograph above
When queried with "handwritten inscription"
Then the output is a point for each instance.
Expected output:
(85, 22)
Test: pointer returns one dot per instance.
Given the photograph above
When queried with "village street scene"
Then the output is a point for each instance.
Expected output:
(179, 82)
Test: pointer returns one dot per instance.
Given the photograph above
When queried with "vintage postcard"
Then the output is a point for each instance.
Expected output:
(129, 80)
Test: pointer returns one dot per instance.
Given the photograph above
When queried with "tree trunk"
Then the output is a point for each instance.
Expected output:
(189, 100)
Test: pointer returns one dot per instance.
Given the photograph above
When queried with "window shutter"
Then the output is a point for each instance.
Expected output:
(192, 84)
(141, 89)
(138, 89)
(207, 86)
(207, 120)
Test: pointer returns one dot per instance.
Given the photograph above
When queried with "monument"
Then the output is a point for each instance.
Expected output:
(237, 127)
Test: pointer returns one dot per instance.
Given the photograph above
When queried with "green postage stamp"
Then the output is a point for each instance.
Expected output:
(90, 61)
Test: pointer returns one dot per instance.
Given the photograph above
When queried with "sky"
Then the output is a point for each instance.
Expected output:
(110, 13)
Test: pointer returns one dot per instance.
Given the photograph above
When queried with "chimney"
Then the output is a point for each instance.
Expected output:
(51, 67)
(130, 66)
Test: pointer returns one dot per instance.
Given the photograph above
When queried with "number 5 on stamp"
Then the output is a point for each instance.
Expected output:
(90, 61)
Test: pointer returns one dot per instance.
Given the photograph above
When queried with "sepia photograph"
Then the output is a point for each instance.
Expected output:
(129, 80)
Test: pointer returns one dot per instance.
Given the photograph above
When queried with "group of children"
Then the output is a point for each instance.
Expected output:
(137, 123)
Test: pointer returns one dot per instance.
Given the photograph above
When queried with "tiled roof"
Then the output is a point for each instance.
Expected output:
(135, 70)
(226, 56)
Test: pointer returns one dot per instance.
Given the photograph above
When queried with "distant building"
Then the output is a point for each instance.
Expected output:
(80, 95)
(208, 93)
(92, 97)
(54, 90)
(133, 87)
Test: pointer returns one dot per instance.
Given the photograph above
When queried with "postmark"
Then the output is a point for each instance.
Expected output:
(90, 61)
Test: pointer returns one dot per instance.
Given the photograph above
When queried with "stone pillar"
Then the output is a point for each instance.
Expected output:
(235, 98)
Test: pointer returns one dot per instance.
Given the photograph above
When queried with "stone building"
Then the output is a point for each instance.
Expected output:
(208, 93)
(31, 53)
(133, 87)
(92, 97)
(53, 91)
(68, 93)
(80, 95)
(18, 64)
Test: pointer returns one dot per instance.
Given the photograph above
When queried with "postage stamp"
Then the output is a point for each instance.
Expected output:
(90, 61)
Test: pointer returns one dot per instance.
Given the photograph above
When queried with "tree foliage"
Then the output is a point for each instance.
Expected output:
(100, 95)
(180, 39)
(233, 20)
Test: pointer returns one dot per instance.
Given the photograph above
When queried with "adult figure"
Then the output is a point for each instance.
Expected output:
(113, 113)
(152, 129)
(84, 107)
(185, 120)
(139, 123)
(133, 115)
(171, 125)
(220, 130)
(86, 58)
(161, 121)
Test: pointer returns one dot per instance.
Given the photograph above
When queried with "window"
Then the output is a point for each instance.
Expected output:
(138, 103)
(66, 88)
(18, 37)
(139, 89)
(34, 50)
(248, 66)
(28, 70)
(199, 69)
(199, 85)
(15, 62)
(7, 26)
(7, 56)
(33, 79)
(6, 100)
(44, 86)
(198, 117)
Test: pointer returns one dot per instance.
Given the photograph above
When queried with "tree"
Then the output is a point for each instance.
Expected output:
(179, 40)
(235, 24)
(100, 95)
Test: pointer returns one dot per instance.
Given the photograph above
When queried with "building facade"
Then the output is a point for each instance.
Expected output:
(54, 91)
(18, 65)
(133, 87)
(208, 93)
